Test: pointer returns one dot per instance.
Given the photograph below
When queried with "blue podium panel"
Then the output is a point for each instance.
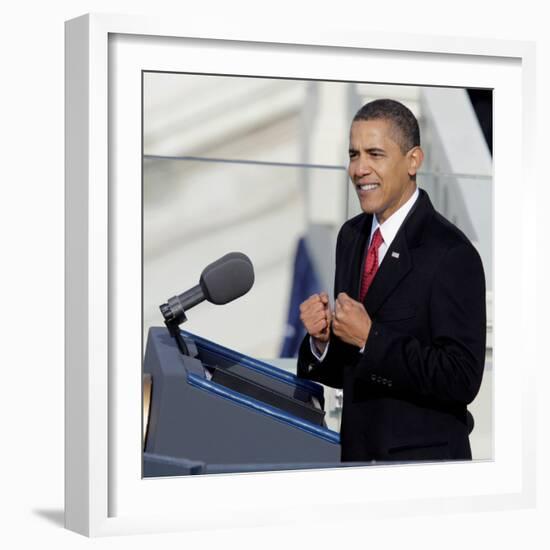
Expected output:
(217, 406)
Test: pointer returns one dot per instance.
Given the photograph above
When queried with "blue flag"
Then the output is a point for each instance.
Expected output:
(305, 282)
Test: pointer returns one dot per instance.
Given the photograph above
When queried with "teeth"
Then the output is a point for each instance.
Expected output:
(368, 187)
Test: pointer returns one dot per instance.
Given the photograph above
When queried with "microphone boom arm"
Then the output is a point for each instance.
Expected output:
(174, 316)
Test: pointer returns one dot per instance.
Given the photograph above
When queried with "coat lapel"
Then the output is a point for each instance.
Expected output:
(398, 260)
(395, 265)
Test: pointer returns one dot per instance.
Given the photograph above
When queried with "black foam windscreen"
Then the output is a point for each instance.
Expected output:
(227, 278)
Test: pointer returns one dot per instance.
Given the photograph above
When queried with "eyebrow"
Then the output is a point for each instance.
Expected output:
(370, 150)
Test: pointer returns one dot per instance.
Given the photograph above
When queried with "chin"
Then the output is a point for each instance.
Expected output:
(368, 207)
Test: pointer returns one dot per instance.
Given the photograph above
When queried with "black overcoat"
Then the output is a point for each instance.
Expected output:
(405, 397)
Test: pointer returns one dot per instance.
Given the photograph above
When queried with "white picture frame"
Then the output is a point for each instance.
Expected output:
(105, 493)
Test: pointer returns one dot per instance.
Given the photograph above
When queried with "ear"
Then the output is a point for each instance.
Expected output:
(415, 158)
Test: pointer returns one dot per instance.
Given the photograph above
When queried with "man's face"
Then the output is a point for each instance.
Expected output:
(380, 171)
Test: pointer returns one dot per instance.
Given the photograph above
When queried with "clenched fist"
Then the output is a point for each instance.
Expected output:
(316, 318)
(351, 321)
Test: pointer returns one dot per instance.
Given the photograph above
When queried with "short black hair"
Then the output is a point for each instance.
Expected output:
(408, 132)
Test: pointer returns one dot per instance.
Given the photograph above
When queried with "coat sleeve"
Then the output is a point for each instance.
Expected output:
(328, 371)
(450, 367)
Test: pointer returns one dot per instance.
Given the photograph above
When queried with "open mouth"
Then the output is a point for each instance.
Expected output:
(368, 186)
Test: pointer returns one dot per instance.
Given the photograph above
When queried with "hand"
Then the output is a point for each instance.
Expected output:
(316, 317)
(351, 321)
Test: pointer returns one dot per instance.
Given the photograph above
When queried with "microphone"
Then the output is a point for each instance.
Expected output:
(222, 281)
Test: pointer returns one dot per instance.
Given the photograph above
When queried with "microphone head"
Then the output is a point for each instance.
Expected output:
(228, 278)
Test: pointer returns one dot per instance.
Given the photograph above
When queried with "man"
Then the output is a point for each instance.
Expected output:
(406, 339)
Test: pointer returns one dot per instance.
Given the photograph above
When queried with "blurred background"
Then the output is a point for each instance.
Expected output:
(259, 166)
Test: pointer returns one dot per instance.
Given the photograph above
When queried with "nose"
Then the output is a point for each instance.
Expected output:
(359, 167)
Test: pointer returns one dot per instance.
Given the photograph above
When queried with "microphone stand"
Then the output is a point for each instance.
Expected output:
(174, 316)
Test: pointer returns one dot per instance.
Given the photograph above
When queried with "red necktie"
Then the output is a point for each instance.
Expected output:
(371, 263)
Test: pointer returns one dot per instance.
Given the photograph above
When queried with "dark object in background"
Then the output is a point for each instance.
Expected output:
(482, 102)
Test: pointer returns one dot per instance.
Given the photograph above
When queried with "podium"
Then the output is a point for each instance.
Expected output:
(214, 410)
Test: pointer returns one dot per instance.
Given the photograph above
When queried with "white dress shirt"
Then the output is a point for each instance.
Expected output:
(388, 230)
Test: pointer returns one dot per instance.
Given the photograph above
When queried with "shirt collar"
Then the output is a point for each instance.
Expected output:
(391, 226)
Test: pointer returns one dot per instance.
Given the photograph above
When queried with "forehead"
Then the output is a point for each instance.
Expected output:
(370, 132)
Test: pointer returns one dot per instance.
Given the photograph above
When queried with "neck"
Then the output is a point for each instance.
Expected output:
(407, 194)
